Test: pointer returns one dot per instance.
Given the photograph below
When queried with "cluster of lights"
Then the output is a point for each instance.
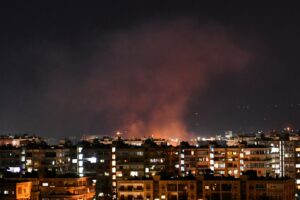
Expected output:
(80, 161)
(114, 172)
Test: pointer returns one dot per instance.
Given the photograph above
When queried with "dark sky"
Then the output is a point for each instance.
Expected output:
(140, 67)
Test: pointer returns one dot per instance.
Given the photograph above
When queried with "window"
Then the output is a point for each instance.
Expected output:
(133, 173)
(148, 186)
(92, 159)
(45, 184)
(260, 187)
(226, 187)
(139, 187)
(172, 187)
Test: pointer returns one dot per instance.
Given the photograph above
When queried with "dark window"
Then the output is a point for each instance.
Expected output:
(172, 187)
(226, 187)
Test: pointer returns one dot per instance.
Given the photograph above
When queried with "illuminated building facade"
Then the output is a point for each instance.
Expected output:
(18, 141)
(176, 189)
(207, 188)
(267, 188)
(156, 188)
(137, 189)
(15, 190)
(217, 188)
(257, 158)
(225, 161)
(62, 187)
(48, 159)
(67, 188)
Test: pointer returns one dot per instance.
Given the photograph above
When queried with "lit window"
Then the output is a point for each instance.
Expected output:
(14, 169)
(101, 194)
(28, 162)
(274, 150)
(80, 169)
(119, 174)
(92, 159)
(147, 170)
(133, 173)
(153, 160)
(45, 184)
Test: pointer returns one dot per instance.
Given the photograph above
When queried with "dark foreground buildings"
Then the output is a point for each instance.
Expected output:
(252, 167)
(207, 187)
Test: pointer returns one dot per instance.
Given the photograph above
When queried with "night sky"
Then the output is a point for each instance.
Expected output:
(169, 69)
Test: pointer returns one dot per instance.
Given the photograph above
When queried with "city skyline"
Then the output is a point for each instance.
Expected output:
(234, 167)
(143, 68)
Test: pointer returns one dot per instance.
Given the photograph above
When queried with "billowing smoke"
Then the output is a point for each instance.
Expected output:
(139, 81)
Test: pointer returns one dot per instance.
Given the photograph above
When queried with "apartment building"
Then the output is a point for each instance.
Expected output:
(15, 190)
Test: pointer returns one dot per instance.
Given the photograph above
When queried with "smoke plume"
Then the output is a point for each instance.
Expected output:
(138, 81)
